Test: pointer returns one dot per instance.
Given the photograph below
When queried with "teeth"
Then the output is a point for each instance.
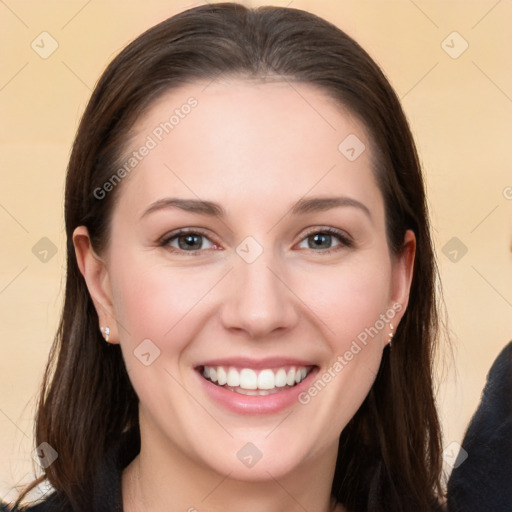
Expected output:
(248, 379)
(300, 375)
(222, 377)
(290, 378)
(233, 377)
(252, 381)
(266, 379)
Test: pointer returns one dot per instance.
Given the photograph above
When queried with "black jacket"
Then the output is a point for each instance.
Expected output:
(483, 482)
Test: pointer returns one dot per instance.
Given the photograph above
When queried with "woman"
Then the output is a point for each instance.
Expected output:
(249, 317)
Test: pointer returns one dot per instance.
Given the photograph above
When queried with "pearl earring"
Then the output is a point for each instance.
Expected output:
(390, 334)
(106, 332)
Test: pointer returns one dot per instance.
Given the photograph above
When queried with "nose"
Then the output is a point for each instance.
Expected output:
(259, 301)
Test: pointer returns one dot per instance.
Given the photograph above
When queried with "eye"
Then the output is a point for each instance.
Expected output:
(192, 241)
(186, 241)
(323, 239)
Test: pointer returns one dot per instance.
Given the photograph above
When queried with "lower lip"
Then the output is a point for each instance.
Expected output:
(255, 404)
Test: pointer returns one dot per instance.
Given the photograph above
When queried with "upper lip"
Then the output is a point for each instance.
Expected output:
(256, 364)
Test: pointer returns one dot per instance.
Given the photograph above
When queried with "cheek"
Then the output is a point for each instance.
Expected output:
(349, 299)
(158, 302)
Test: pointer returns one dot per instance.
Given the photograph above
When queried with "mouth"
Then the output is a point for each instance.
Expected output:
(255, 382)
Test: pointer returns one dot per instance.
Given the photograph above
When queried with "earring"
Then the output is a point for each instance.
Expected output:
(390, 335)
(106, 332)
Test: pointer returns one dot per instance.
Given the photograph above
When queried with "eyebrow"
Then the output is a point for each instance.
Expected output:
(301, 207)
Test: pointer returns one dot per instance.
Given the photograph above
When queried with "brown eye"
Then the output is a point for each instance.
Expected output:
(186, 241)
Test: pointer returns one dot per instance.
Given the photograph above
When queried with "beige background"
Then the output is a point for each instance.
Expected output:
(460, 111)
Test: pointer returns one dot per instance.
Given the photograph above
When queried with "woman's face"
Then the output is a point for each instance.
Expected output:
(281, 267)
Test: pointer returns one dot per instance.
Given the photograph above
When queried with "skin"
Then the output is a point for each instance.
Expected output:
(255, 149)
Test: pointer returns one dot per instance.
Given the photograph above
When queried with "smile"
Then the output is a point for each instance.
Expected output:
(248, 381)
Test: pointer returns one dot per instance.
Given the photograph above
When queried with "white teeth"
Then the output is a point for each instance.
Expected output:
(222, 377)
(252, 392)
(233, 378)
(280, 378)
(290, 378)
(300, 375)
(266, 379)
(249, 380)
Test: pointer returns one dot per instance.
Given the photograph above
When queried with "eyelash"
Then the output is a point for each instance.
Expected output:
(344, 240)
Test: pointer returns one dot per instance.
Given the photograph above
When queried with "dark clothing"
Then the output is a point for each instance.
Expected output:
(483, 482)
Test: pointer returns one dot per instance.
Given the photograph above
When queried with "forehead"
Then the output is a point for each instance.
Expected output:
(230, 139)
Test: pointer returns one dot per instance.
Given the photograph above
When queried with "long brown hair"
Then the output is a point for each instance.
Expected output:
(389, 456)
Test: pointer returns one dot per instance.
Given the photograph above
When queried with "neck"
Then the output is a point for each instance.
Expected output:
(163, 478)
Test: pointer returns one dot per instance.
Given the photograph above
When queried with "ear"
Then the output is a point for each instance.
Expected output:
(95, 273)
(402, 273)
